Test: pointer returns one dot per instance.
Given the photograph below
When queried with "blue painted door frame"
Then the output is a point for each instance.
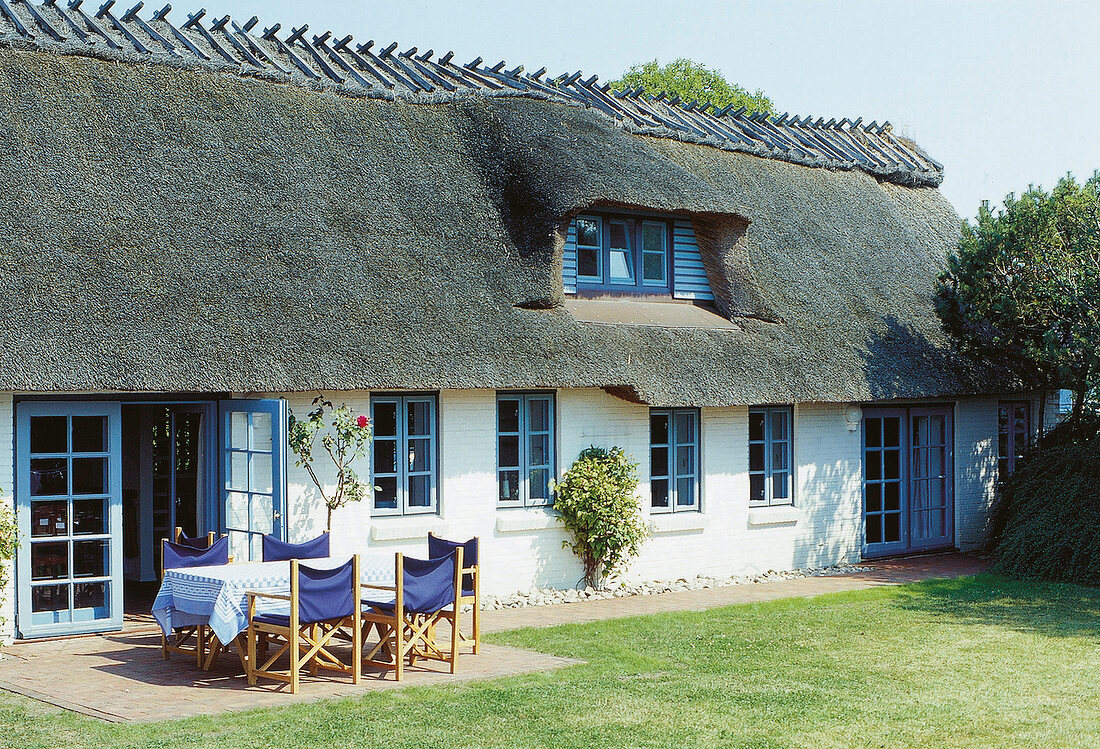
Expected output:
(68, 496)
(908, 480)
(253, 473)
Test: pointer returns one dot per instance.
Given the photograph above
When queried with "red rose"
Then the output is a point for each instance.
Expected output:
(362, 421)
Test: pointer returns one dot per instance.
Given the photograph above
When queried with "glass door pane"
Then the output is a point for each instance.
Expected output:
(931, 478)
(884, 466)
(253, 472)
(69, 510)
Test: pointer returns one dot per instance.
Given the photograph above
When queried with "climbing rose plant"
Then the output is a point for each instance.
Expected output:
(598, 504)
(345, 437)
(7, 548)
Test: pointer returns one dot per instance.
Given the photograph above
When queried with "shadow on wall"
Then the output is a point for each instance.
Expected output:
(832, 505)
(1050, 609)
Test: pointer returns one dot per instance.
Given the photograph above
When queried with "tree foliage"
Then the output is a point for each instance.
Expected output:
(598, 503)
(1023, 289)
(691, 80)
(346, 437)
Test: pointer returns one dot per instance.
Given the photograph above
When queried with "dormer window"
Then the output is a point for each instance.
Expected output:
(627, 252)
(619, 253)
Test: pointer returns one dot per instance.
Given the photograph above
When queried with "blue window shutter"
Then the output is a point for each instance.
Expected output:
(569, 260)
(689, 275)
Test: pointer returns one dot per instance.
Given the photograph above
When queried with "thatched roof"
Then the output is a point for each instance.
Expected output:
(177, 228)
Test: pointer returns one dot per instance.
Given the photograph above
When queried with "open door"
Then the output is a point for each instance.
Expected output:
(253, 468)
(69, 510)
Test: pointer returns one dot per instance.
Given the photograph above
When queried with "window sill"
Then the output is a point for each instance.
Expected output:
(781, 515)
(677, 522)
(401, 527)
(516, 519)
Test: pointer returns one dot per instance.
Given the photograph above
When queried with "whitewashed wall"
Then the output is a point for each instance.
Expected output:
(7, 484)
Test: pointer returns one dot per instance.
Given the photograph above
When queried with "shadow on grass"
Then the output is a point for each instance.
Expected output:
(1051, 609)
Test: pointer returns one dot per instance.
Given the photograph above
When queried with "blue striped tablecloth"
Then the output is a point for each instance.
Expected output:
(216, 595)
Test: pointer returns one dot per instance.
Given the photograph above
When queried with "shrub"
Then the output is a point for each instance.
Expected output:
(597, 500)
(1047, 519)
(7, 548)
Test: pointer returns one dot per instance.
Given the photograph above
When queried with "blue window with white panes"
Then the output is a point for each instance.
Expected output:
(771, 480)
(616, 252)
(404, 455)
(674, 460)
(525, 448)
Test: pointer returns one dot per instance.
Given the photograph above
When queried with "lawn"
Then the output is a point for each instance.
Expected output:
(975, 662)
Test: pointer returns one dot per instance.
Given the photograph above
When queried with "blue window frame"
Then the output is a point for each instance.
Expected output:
(404, 455)
(674, 460)
(623, 253)
(771, 479)
(525, 448)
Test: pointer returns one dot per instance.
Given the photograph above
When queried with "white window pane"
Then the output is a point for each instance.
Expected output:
(263, 513)
(238, 470)
(779, 425)
(236, 510)
(238, 430)
(238, 545)
(538, 482)
(621, 266)
(261, 432)
(261, 472)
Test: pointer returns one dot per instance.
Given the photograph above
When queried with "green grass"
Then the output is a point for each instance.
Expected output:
(975, 662)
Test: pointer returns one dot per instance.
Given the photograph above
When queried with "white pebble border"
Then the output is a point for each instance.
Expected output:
(551, 596)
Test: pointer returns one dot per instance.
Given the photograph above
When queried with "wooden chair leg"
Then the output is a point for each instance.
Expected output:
(250, 667)
(477, 626)
(455, 637)
(163, 646)
(295, 653)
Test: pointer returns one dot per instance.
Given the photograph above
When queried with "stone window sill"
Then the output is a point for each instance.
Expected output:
(401, 528)
(527, 519)
(763, 516)
(677, 522)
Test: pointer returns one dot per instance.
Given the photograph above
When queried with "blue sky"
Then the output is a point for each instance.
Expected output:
(1002, 93)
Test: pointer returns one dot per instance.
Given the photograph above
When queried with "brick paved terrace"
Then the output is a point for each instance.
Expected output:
(121, 676)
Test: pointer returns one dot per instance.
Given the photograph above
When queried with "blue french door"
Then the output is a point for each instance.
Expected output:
(68, 489)
(908, 480)
(253, 469)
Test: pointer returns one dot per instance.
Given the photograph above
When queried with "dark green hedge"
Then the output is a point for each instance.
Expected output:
(1047, 520)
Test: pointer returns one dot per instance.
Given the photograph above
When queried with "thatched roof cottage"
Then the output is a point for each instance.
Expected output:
(205, 221)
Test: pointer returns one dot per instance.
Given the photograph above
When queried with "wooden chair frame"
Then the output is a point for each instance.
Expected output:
(181, 638)
(303, 644)
(474, 601)
(407, 635)
(211, 537)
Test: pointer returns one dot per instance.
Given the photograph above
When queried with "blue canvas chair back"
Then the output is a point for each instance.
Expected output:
(428, 584)
(279, 551)
(199, 542)
(326, 594)
(177, 556)
(441, 547)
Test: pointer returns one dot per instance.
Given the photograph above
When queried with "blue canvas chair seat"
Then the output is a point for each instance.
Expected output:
(471, 580)
(276, 550)
(322, 603)
(426, 592)
(191, 640)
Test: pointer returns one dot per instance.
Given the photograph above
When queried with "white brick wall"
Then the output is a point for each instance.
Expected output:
(523, 547)
(7, 483)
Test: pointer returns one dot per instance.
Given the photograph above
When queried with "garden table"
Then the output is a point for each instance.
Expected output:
(217, 596)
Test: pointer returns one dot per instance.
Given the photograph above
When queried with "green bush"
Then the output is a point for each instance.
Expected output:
(598, 503)
(1047, 519)
(7, 547)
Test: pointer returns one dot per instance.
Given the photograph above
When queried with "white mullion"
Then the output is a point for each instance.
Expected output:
(521, 455)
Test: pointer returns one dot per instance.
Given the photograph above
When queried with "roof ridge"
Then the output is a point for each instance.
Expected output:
(317, 60)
